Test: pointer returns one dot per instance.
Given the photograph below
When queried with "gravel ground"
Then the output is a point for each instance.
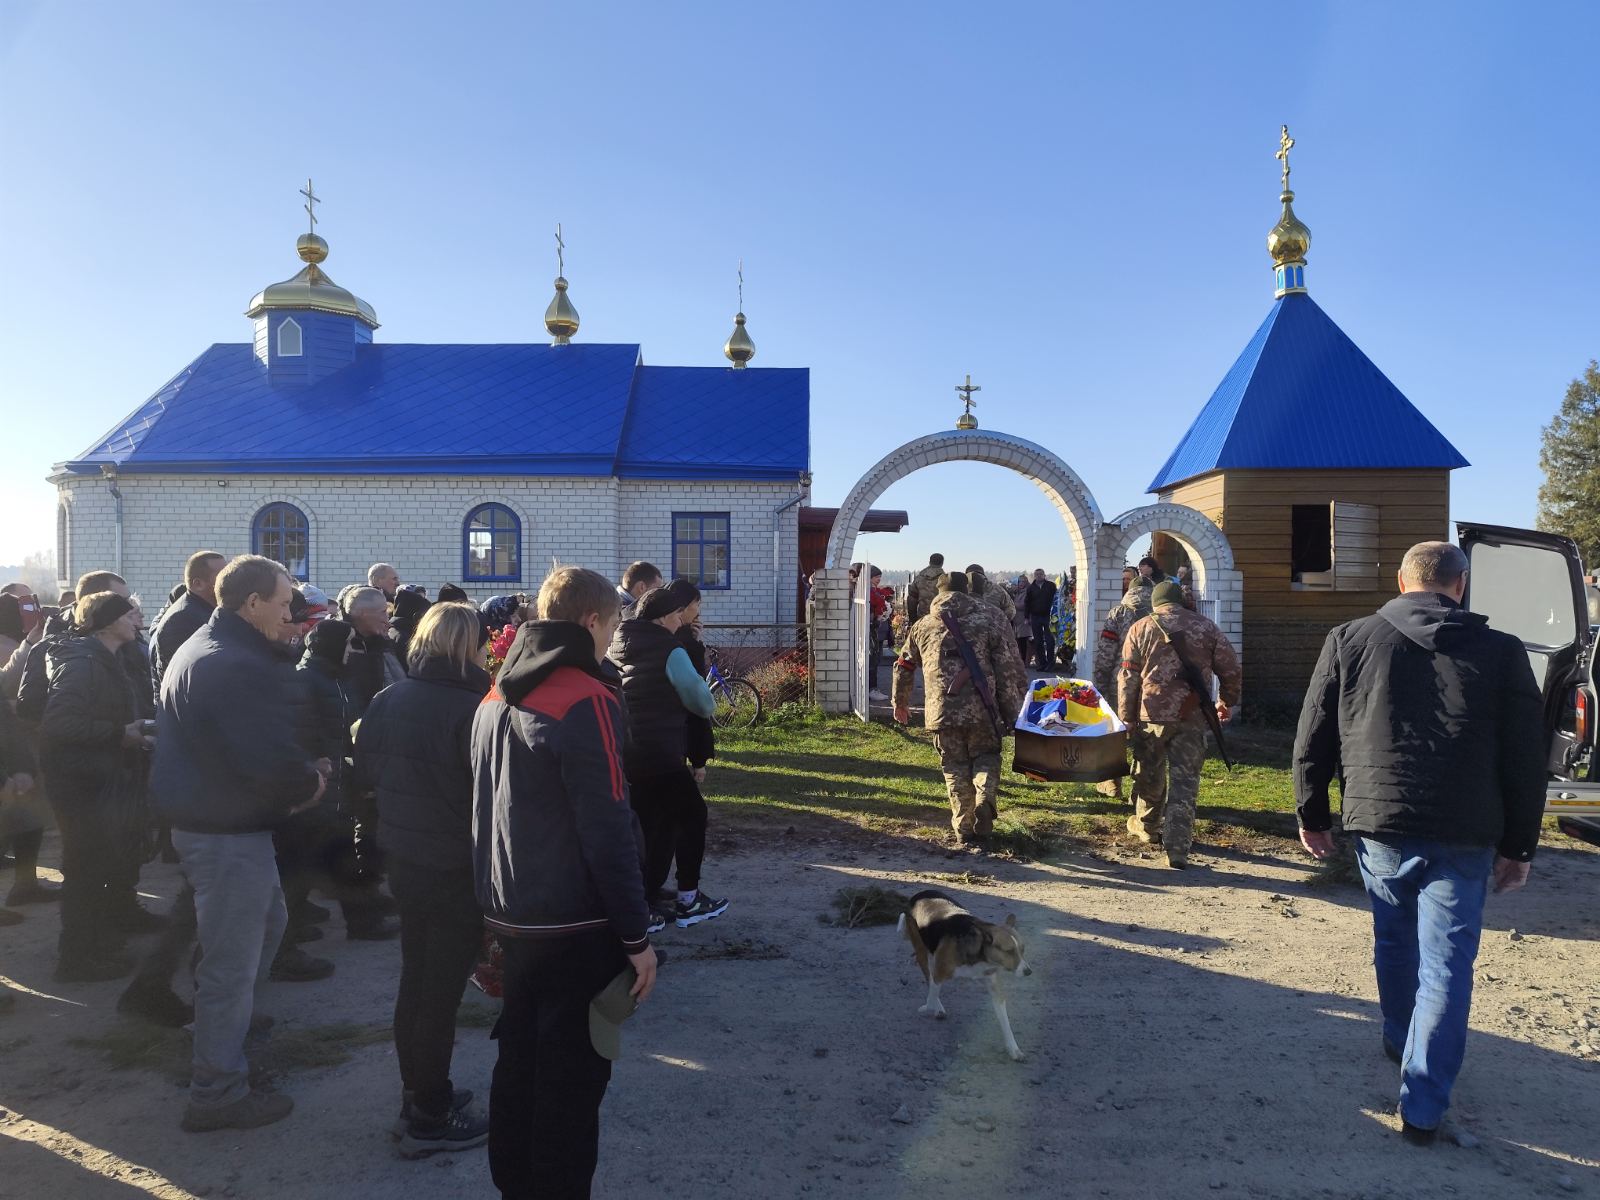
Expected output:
(1210, 1032)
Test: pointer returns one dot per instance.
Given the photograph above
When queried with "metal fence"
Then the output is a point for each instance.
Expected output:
(775, 659)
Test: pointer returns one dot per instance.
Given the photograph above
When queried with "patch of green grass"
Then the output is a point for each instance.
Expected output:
(823, 775)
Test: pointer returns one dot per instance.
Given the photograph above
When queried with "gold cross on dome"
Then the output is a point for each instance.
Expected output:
(966, 389)
(312, 200)
(1285, 144)
(561, 264)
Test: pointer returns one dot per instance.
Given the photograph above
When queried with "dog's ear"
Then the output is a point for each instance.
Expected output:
(1011, 920)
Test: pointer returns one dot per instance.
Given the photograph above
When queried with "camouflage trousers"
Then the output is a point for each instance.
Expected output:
(969, 755)
(1166, 782)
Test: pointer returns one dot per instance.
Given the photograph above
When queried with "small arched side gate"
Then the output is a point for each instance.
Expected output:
(1215, 578)
(1099, 549)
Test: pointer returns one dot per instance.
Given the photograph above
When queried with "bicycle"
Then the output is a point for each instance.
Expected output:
(736, 700)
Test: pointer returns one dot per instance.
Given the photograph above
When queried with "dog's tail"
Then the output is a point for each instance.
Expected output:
(901, 927)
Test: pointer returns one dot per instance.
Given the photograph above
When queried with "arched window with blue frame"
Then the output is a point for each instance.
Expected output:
(491, 545)
(282, 533)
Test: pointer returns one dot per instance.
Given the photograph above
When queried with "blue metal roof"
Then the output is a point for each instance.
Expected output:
(1303, 395)
(717, 423)
(491, 409)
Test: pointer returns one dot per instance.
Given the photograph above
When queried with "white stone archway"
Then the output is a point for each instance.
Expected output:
(1215, 577)
(832, 657)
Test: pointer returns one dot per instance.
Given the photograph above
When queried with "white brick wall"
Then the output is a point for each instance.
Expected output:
(416, 523)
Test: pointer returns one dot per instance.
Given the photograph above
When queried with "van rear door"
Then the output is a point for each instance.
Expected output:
(1530, 585)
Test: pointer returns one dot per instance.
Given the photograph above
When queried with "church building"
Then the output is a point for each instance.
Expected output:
(482, 465)
(1317, 468)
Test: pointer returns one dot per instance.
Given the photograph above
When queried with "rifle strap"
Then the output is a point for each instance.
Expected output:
(979, 682)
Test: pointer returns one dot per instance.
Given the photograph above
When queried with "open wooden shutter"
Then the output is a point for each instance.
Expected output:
(1355, 547)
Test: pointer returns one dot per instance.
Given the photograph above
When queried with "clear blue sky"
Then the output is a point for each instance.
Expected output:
(1068, 201)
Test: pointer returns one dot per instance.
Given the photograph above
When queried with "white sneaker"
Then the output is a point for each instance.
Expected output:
(876, 695)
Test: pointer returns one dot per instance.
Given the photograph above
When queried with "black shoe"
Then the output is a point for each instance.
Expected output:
(1415, 1135)
(380, 929)
(94, 968)
(156, 1003)
(252, 1112)
(658, 921)
(459, 1099)
(312, 913)
(1391, 1052)
(293, 965)
(703, 909)
(304, 933)
(665, 898)
(459, 1129)
(135, 918)
(37, 892)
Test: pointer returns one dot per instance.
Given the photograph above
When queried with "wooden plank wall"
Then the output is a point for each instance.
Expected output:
(1284, 628)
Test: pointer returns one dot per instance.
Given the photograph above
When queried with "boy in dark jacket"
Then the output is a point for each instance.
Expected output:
(1432, 723)
(556, 863)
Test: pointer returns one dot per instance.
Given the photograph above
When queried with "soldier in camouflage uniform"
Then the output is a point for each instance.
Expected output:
(980, 588)
(1135, 603)
(964, 731)
(923, 588)
(1164, 718)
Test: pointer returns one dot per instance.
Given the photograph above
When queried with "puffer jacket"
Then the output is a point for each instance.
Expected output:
(658, 727)
(91, 701)
(415, 751)
(182, 620)
(702, 739)
(33, 686)
(1433, 724)
(555, 843)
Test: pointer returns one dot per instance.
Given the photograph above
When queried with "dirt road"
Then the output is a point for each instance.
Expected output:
(1189, 1034)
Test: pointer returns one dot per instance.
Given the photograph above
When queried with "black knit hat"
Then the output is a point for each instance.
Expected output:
(658, 602)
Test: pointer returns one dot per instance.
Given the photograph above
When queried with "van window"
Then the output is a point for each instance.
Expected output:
(1524, 591)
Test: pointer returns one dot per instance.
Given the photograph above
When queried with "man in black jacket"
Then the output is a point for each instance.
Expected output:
(1432, 723)
(185, 617)
(1039, 602)
(557, 867)
(226, 772)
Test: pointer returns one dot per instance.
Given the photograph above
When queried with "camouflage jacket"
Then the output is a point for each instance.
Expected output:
(921, 591)
(1135, 603)
(951, 699)
(1000, 598)
(1150, 684)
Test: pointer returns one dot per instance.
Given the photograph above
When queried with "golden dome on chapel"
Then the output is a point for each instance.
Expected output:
(311, 289)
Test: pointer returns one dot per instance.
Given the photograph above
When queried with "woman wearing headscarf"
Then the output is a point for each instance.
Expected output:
(662, 690)
(415, 749)
(91, 748)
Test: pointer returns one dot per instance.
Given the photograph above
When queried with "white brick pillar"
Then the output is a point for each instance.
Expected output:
(830, 638)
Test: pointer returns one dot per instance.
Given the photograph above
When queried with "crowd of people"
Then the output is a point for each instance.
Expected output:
(279, 743)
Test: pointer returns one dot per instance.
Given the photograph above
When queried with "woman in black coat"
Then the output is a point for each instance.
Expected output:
(415, 748)
(91, 746)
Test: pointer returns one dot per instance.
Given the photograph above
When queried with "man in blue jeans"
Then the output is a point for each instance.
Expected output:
(226, 772)
(1432, 723)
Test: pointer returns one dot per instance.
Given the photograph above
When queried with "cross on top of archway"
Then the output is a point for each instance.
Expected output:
(967, 421)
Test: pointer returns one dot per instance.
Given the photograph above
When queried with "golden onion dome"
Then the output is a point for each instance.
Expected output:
(311, 289)
(739, 348)
(561, 319)
(1289, 239)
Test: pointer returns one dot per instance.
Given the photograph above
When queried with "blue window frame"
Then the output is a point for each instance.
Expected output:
(282, 533)
(491, 545)
(701, 549)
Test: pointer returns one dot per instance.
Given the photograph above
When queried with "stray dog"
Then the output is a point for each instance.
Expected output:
(949, 942)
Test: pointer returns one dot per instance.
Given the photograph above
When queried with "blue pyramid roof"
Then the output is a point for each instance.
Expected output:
(482, 409)
(1303, 395)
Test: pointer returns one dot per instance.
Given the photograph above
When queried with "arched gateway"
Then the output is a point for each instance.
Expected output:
(839, 658)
